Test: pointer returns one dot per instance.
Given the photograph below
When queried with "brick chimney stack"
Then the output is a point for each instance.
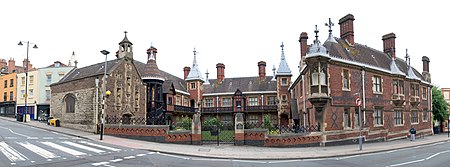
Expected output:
(426, 68)
(262, 70)
(389, 44)
(186, 71)
(3, 63)
(220, 72)
(24, 63)
(303, 39)
(11, 65)
(347, 31)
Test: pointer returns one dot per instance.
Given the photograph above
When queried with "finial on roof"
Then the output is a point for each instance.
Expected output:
(207, 80)
(125, 33)
(316, 31)
(152, 55)
(407, 58)
(195, 57)
(273, 69)
(282, 46)
(329, 24)
(330, 35)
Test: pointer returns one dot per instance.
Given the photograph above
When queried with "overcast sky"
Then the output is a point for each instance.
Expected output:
(236, 33)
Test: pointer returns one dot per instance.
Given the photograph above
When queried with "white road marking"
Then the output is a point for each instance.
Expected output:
(63, 138)
(100, 163)
(100, 146)
(419, 160)
(150, 153)
(406, 163)
(33, 138)
(129, 157)
(15, 132)
(11, 138)
(205, 159)
(175, 156)
(65, 149)
(38, 150)
(140, 155)
(249, 161)
(116, 160)
(83, 147)
(10, 153)
(47, 138)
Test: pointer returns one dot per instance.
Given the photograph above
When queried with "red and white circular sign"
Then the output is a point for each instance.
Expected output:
(358, 101)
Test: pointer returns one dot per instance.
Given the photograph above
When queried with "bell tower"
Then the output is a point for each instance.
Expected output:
(125, 48)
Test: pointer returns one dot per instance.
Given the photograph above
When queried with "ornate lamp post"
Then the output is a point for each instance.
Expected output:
(26, 76)
(104, 94)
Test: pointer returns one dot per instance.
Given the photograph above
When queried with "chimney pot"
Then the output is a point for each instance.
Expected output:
(186, 71)
(389, 44)
(426, 63)
(220, 72)
(347, 32)
(303, 39)
(262, 70)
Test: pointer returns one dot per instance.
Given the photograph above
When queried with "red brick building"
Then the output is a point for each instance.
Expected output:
(141, 93)
(394, 96)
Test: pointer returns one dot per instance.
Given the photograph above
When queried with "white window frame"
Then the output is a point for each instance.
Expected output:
(226, 102)
(377, 116)
(252, 101)
(377, 84)
(398, 118)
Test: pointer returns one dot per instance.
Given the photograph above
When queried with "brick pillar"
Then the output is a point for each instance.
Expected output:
(196, 137)
(239, 138)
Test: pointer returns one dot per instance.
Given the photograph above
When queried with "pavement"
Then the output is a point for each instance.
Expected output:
(245, 152)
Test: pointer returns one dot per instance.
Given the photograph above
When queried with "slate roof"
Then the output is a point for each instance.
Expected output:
(244, 84)
(89, 71)
(366, 55)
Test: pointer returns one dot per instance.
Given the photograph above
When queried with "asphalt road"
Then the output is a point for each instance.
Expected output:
(22, 145)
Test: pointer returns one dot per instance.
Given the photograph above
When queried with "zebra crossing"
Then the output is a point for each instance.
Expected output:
(34, 150)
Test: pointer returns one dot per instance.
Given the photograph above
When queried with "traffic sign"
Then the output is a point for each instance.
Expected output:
(358, 101)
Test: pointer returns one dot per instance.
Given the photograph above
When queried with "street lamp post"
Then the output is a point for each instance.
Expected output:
(26, 77)
(105, 52)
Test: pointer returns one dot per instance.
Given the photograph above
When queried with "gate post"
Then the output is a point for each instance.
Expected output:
(239, 138)
(196, 136)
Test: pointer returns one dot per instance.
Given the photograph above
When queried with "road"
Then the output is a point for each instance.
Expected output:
(22, 145)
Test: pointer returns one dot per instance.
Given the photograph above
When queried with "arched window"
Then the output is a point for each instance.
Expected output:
(69, 101)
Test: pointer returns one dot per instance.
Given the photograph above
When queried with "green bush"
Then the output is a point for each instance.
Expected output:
(213, 122)
(267, 124)
(184, 123)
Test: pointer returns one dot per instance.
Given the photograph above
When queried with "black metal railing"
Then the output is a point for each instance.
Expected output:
(124, 120)
(217, 109)
(261, 108)
(279, 129)
(179, 108)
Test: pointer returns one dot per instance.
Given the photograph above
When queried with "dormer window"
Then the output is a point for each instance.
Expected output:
(318, 80)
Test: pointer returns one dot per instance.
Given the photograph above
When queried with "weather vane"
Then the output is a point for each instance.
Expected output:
(195, 52)
(282, 46)
(329, 24)
(407, 58)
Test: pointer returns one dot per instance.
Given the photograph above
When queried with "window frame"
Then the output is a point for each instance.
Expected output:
(11, 83)
(209, 102)
(398, 118)
(5, 83)
(11, 96)
(253, 101)
(346, 80)
(347, 118)
(425, 115)
(377, 84)
(378, 116)
(68, 103)
(284, 81)
(414, 117)
(226, 102)
(193, 85)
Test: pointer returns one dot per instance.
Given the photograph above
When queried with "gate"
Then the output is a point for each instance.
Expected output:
(216, 132)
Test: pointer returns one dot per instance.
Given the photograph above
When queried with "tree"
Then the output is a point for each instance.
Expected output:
(439, 105)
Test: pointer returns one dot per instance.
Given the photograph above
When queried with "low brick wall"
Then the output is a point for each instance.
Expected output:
(293, 140)
(255, 137)
(153, 133)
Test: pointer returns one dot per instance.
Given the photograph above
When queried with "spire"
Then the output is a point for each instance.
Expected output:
(72, 61)
(330, 35)
(207, 80)
(411, 74)
(273, 70)
(283, 68)
(151, 70)
(195, 73)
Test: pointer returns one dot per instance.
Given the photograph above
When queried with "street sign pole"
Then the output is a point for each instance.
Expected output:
(358, 103)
